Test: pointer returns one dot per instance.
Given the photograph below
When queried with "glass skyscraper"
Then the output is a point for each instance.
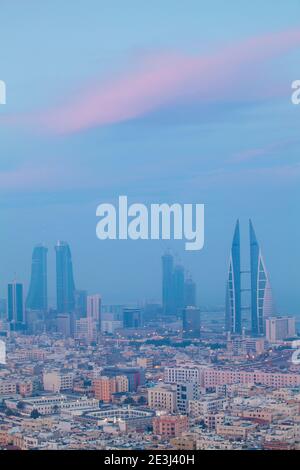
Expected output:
(261, 295)
(233, 313)
(178, 288)
(15, 303)
(65, 286)
(167, 283)
(189, 293)
(37, 294)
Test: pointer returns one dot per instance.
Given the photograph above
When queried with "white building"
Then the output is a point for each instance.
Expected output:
(183, 374)
(94, 307)
(55, 404)
(207, 404)
(280, 328)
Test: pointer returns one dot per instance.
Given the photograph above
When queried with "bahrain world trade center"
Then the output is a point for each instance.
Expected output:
(261, 304)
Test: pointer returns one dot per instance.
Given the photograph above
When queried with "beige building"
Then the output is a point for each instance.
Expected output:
(162, 397)
(57, 381)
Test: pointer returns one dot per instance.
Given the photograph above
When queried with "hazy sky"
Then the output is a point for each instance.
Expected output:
(164, 102)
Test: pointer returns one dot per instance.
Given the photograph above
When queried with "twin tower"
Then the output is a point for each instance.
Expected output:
(260, 291)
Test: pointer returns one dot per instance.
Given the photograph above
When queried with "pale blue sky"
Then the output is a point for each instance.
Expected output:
(238, 153)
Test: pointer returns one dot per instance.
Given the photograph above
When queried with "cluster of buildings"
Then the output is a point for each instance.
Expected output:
(85, 375)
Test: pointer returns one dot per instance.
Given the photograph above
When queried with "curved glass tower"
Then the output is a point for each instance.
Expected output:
(37, 294)
(65, 287)
(261, 294)
(233, 313)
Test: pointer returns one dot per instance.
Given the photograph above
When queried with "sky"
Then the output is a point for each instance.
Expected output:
(172, 101)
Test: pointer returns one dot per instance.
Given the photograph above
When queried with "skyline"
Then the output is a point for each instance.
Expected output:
(174, 277)
(165, 103)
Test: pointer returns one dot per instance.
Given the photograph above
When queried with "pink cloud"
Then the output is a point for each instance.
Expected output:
(165, 78)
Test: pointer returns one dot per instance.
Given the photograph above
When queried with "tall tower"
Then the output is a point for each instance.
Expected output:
(65, 287)
(189, 293)
(167, 283)
(233, 314)
(178, 288)
(261, 294)
(94, 307)
(15, 303)
(37, 294)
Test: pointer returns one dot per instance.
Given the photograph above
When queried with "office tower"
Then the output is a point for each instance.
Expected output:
(233, 313)
(65, 287)
(132, 318)
(189, 293)
(15, 303)
(80, 303)
(86, 329)
(280, 328)
(94, 307)
(167, 283)
(63, 324)
(261, 295)
(37, 294)
(178, 288)
(191, 322)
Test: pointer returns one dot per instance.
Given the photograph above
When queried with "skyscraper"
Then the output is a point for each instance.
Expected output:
(132, 318)
(37, 294)
(191, 321)
(15, 303)
(167, 283)
(94, 308)
(65, 287)
(178, 288)
(80, 303)
(261, 295)
(233, 314)
(189, 293)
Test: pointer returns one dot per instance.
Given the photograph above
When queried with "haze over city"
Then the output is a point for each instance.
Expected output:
(193, 110)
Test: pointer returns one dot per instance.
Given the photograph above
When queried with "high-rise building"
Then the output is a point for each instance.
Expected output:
(191, 322)
(178, 288)
(233, 314)
(15, 303)
(280, 328)
(132, 318)
(37, 294)
(65, 287)
(94, 307)
(261, 295)
(80, 303)
(86, 329)
(167, 283)
(189, 293)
